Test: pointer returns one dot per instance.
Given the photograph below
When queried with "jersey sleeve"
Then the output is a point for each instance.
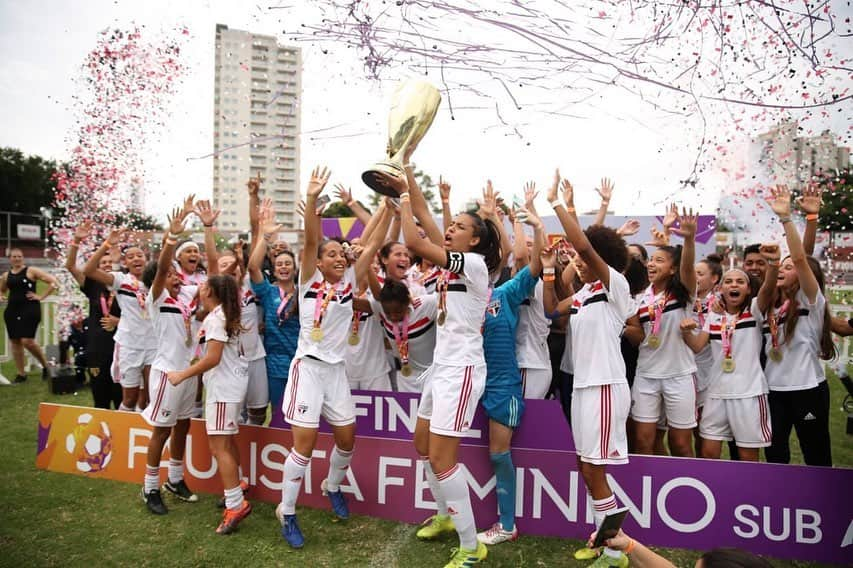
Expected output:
(427, 306)
(214, 327)
(262, 291)
(519, 287)
(119, 278)
(619, 294)
(756, 312)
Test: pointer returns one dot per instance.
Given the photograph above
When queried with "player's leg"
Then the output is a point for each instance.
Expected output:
(500, 439)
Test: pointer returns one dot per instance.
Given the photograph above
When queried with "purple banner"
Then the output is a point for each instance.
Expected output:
(783, 511)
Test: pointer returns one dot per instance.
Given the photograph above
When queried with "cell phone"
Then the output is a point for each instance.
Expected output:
(517, 202)
(322, 201)
(609, 526)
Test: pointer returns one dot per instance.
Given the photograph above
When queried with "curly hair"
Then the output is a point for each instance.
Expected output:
(609, 245)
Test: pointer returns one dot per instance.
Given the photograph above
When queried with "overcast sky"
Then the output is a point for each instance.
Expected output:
(43, 43)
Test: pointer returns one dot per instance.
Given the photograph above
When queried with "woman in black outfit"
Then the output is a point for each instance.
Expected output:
(23, 311)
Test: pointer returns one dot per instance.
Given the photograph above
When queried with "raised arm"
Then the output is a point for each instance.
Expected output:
(489, 210)
(809, 203)
(554, 307)
(318, 181)
(372, 246)
(577, 237)
(164, 262)
(424, 248)
(538, 241)
(553, 195)
(91, 269)
(81, 233)
(208, 216)
(686, 269)
(345, 195)
(605, 190)
(781, 205)
(519, 245)
(420, 209)
(268, 229)
(444, 192)
(771, 253)
(254, 187)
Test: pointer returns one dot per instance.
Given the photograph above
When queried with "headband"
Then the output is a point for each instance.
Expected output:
(184, 245)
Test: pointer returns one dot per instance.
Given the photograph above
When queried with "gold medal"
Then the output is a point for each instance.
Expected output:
(188, 342)
(775, 354)
(406, 370)
(316, 334)
(441, 317)
(353, 339)
(728, 365)
(654, 341)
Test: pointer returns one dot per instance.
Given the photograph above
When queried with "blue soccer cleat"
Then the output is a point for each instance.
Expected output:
(338, 501)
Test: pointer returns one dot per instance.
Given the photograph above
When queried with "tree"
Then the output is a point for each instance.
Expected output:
(137, 221)
(835, 211)
(25, 181)
(339, 209)
(426, 184)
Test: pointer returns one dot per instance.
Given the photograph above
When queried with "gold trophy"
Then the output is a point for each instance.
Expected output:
(413, 108)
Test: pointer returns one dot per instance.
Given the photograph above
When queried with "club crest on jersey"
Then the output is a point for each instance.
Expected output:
(302, 408)
(166, 413)
(494, 308)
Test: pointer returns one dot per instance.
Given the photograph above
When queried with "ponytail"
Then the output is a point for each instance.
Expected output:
(224, 288)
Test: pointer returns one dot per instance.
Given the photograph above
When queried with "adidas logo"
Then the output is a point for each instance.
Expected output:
(809, 416)
(614, 454)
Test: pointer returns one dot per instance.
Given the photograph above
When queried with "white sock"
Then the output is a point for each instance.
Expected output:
(152, 478)
(234, 497)
(124, 408)
(294, 471)
(434, 487)
(176, 471)
(338, 465)
(455, 490)
(600, 508)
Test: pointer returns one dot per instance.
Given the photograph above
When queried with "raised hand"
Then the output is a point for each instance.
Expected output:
(628, 228)
(318, 181)
(811, 199)
(771, 252)
(688, 222)
(568, 193)
(343, 193)
(530, 195)
(254, 184)
(188, 206)
(549, 257)
(659, 238)
(266, 219)
(551, 194)
(176, 221)
(605, 189)
(670, 217)
(116, 236)
(530, 218)
(443, 188)
(781, 200)
(489, 203)
(82, 231)
(206, 213)
(399, 184)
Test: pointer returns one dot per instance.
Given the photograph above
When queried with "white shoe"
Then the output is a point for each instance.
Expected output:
(496, 535)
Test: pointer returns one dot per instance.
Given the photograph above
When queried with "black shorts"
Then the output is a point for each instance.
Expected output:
(22, 319)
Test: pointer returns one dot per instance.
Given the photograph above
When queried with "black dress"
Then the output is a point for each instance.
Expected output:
(22, 315)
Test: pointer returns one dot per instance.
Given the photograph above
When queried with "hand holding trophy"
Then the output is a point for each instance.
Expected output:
(413, 109)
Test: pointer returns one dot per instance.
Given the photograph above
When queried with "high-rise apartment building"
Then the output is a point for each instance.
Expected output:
(255, 125)
(793, 159)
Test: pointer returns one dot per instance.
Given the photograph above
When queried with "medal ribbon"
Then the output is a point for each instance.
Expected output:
(401, 338)
(441, 288)
(356, 318)
(106, 303)
(773, 321)
(285, 298)
(186, 312)
(321, 307)
(656, 309)
(727, 334)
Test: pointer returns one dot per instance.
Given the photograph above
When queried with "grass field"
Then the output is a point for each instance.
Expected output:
(52, 519)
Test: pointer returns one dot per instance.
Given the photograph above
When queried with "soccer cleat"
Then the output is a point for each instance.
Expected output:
(496, 535)
(244, 485)
(232, 517)
(338, 501)
(463, 557)
(181, 491)
(604, 561)
(154, 501)
(587, 553)
(290, 531)
(21, 379)
(435, 526)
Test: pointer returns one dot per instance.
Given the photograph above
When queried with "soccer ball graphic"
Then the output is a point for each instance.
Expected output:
(90, 444)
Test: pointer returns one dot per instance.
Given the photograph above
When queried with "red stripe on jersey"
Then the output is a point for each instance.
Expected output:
(159, 399)
(765, 429)
(605, 420)
(597, 286)
(463, 399)
(416, 303)
(293, 384)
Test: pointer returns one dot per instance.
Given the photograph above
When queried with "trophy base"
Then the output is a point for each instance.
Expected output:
(378, 177)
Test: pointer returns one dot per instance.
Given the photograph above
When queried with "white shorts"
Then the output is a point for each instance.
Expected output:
(128, 363)
(413, 383)
(378, 383)
(744, 420)
(169, 403)
(315, 389)
(222, 418)
(598, 423)
(258, 390)
(673, 399)
(450, 397)
(701, 397)
(535, 383)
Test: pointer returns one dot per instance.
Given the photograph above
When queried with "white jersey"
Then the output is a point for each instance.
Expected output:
(597, 319)
(171, 319)
(228, 381)
(800, 367)
(189, 296)
(367, 359)
(672, 358)
(459, 341)
(134, 326)
(421, 330)
(747, 379)
(335, 324)
(704, 359)
(531, 334)
(422, 283)
(250, 339)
